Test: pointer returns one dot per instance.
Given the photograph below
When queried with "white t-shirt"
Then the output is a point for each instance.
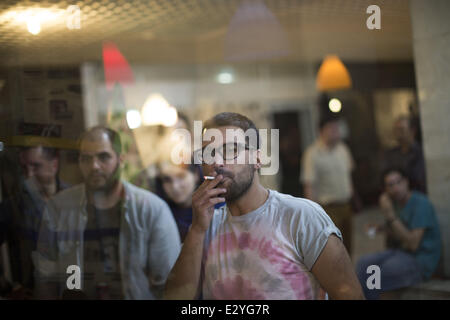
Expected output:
(329, 171)
(267, 253)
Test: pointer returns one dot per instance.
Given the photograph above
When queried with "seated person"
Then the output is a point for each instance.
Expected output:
(413, 237)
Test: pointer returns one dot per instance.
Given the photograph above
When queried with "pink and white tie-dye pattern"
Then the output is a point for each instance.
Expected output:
(267, 253)
(236, 288)
(264, 256)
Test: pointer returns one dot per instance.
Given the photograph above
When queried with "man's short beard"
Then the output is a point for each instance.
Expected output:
(236, 191)
(110, 183)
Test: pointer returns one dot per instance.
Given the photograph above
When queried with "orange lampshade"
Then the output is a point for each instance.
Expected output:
(333, 75)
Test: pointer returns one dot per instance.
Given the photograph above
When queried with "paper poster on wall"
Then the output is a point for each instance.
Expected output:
(59, 110)
(39, 129)
(34, 96)
(35, 110)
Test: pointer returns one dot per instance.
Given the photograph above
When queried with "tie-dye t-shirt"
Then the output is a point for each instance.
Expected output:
(267, 253)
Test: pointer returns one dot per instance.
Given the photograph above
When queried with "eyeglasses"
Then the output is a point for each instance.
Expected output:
(228, 151)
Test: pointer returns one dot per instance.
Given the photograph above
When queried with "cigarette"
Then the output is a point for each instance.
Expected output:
(209, 177)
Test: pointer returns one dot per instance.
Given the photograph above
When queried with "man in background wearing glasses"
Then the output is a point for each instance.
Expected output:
(262, 244)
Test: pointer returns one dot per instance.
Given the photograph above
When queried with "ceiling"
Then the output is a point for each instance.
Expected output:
(199, 31)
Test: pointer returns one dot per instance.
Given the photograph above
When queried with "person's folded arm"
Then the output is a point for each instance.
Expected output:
(410, 239)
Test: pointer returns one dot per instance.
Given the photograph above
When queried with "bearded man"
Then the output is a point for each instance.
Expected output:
(262, 244)
(122, 239)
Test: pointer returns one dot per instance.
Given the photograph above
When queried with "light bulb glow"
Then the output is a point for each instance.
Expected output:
(169, 117)
(157, 111)
(225, 77)
(33, 18)
(34, 25)
(134, 119)
(335, 105)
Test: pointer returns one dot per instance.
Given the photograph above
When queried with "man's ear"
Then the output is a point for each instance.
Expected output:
(258, 159)
(121, 159)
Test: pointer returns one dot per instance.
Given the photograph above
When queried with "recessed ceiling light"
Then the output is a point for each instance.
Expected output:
(225, 77)
(34, 26)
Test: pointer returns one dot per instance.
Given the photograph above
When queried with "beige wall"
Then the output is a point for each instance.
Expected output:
(431, 41)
